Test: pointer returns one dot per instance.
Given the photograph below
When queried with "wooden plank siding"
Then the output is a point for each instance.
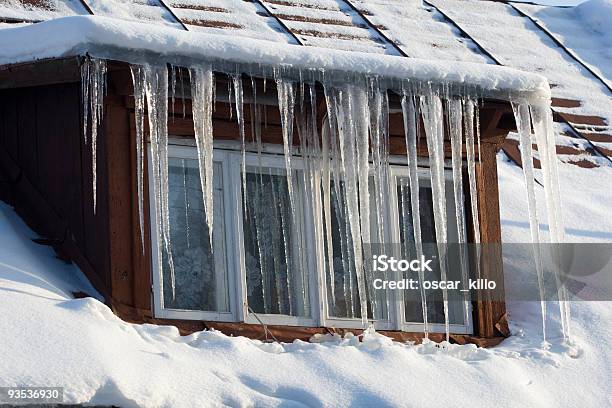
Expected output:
(41, 141)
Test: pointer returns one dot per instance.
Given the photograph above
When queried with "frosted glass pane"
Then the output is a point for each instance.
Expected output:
(277, 277)
(412, 298)
(345, 301)
(201, 276)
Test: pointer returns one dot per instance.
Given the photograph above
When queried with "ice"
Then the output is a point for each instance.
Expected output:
(431, 108)
(350, 100)
(379, 136)
(455, 127)
(139, 103)
(202, 83)
(523, 124)
(286, 105)
(239, 99)
(156, 89)
(93, 83)
(541, 117)
(470, 146)
(410, 129)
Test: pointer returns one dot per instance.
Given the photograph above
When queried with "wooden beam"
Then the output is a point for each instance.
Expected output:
(489, 312)
(41, 72)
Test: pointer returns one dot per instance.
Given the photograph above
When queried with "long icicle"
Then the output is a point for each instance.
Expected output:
(348, 157)
(93, 77)
(156, 88)
(523, 124)
(455, 122)
(470, 146)
(542, 125)
(434, 129)
(410, 130)
(138, 81)
(361, 122)
(202, 82)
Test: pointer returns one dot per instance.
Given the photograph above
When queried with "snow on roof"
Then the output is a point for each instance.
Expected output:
(104, 37)
(451, 30)
(421, 32)
(38, 10)
(585, 29)
(579, 97)
(330, 24)
(150, 11)
(235, 17)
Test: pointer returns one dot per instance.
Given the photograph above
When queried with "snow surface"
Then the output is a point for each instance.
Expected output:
(585, 29)
(36, 11)
(516, 42)
(97, 35)
(48, 338)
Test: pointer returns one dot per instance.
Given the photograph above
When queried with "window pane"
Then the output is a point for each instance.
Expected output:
(412, 298)
(200, 274)
(344, 302)
(277, 278)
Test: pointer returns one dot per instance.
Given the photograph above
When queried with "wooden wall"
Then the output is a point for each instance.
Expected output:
(49, 170)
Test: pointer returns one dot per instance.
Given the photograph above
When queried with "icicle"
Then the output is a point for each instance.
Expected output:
(186, 202)
(139, 102)
(542, 125)
(156, 88)
(410, 129)
(286, 104)
(286, 230)
(431, 106)
(326, 185)
(455, 121)
(172, 87)
(182, 80)
(239, 99)
(350, 98)
(379, 141)
(361, 122)
(93, 77)
(523, 124)
(202, 82)
(85, 95)
(334, 116)
(470, 146)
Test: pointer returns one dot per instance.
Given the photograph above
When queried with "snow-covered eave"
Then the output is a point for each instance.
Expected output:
(135, 42)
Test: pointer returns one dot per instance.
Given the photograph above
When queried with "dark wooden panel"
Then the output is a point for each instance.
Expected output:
(95, 225)
(42, 72)
(71, 136)
(28, 143)
(489, 313)
(121, 199)
(11, 133)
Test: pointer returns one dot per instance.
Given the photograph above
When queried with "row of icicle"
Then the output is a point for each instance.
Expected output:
(353, 145)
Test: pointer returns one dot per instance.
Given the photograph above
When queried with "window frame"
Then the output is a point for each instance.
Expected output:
(423, 173)
(188, 152)
(228, 155)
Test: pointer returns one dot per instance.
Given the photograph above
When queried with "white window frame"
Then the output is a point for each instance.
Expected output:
(423, 173)
(227, 153)
(188, 152)
(276, 162)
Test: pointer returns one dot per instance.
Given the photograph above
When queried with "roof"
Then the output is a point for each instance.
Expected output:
(486, 32)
